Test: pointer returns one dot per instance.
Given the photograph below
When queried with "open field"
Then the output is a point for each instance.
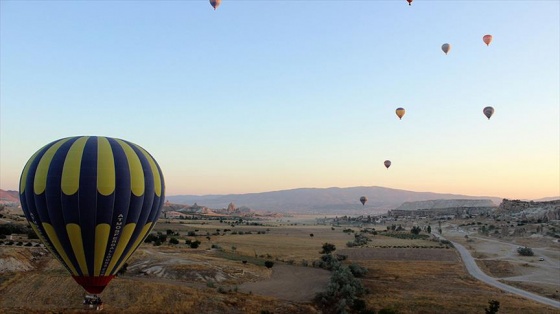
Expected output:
(225, 274)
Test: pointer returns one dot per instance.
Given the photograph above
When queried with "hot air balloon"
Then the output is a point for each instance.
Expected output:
(215, 3)
(92, 201)
(387, 163)
(446, 47)
(409, 2)
(487, 39)
(363, 199)
(488, 111)
(400, 112)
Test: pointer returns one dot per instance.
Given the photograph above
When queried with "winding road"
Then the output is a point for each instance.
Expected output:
(473, 269)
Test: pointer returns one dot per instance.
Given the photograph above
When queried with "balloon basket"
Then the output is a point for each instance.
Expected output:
(92, 302)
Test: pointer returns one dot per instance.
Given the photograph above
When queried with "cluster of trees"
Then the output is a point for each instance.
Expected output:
(359, 240)
(157, 239)
(9, 229)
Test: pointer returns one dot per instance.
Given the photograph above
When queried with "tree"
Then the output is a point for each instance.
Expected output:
(525, 251)
(429, 229)
(173, 241)
(268, 264)
(493, 307)
(328, 248)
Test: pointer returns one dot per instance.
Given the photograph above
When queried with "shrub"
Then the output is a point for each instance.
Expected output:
(328, 248)
(195, 244)
(357, 270)
(150, 238)
(268, 264)
(173, 241)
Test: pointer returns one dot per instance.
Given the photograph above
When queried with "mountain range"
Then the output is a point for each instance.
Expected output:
(332, 200)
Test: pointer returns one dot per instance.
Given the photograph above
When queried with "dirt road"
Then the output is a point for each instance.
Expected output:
(473, 269)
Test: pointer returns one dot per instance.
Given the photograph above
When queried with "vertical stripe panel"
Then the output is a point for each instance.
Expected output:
(140, 216)
(105, 168)
(154, 169)
(27, 199)
(101, 240)
(136, 172)
(75, 235)
(143, 234)
(88, 202)
(40, 180)
(70, 181)
(49, 202)
(123, 241)
(25, 173)
(51, 233)
(122, 203)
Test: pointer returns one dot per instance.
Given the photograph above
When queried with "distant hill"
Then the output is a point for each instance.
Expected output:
(448, 203)
(322, 200)
(7, 197)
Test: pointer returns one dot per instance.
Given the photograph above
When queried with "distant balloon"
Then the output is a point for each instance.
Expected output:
(215, 3)
(387, 163)
(363, 199)
(409, 2)
(92, 201)
(400, 112)
(446, 47)
(487, 39)
(488, 112)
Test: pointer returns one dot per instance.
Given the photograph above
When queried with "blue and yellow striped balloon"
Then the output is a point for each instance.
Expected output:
(92, 200)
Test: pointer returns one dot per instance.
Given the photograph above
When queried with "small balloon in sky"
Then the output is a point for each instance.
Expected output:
(446, 47)
(488, 111)
(400, 112)
(387, 163)
(215, 3)
(363, 199)
(409, 2)
(487, 39)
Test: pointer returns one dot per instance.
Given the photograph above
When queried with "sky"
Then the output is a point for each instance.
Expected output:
(265, 95)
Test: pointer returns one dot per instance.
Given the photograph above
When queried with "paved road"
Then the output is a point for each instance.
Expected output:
(473, 269)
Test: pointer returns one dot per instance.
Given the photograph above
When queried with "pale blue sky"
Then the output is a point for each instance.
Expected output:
(268, 95)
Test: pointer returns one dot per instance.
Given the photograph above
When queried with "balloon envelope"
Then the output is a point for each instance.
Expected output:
(215, 3)
(487, 39)
(92, 201)
(400, 112)
(488, 112)
(363, 199)
(446, 47)
(409, 2)
(387, 163)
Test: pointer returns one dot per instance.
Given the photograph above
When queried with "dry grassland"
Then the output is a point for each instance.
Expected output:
(436, 287)
(175, 279)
